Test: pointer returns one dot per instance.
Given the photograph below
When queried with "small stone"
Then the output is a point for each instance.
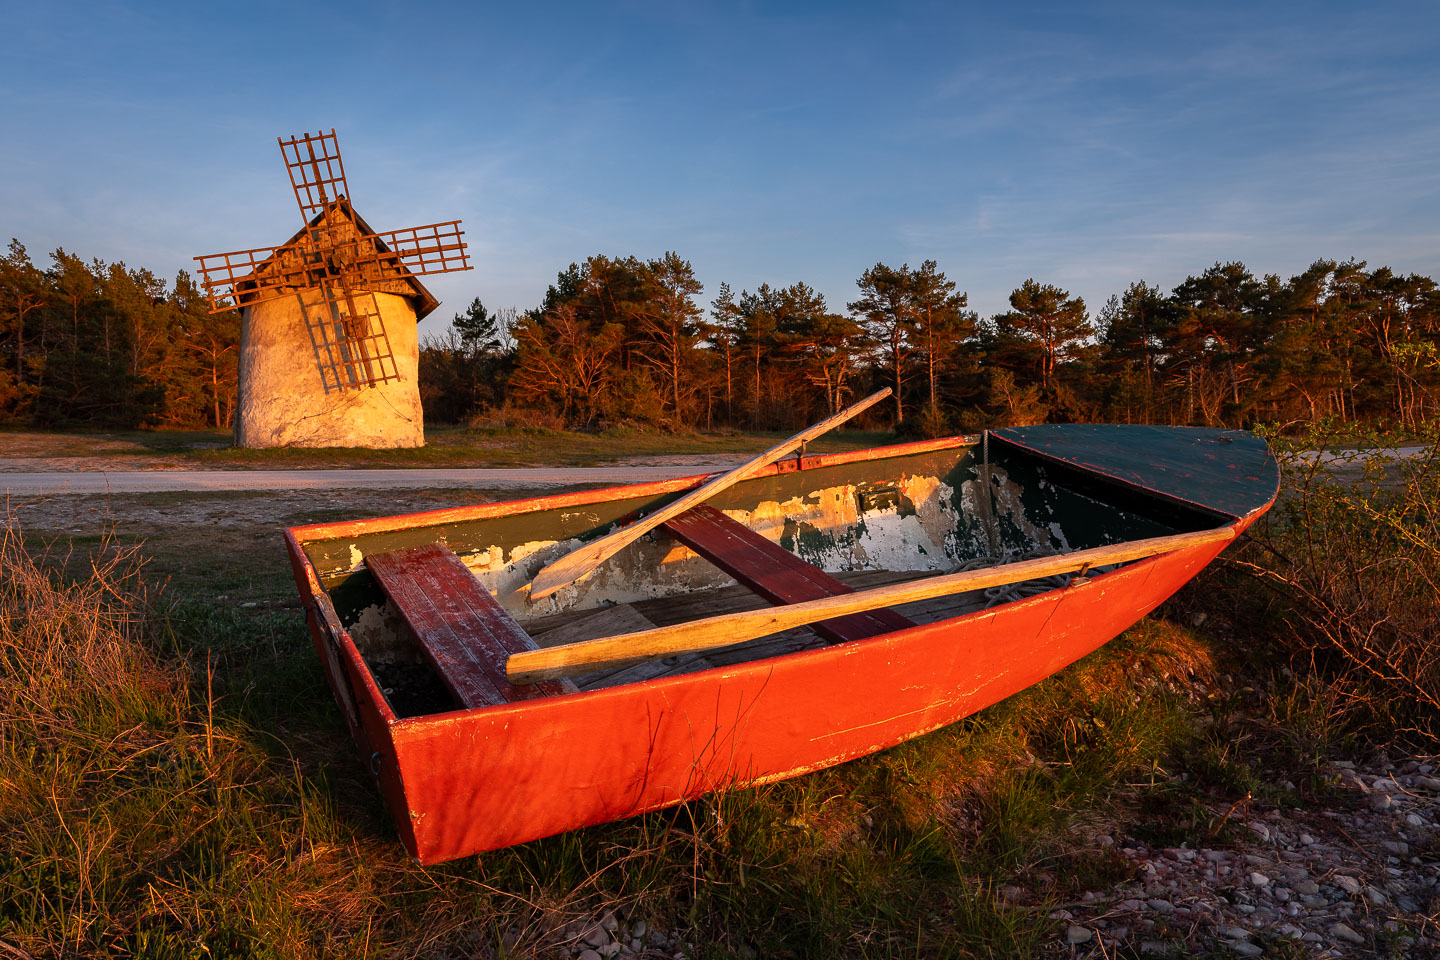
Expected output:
(588, 954)
(1216, 856)
(639, 928)
(1396, 847)
(1245, 908)
(1132, 905)
(1235, 933)
(1380, 801)
(1428, 783)
(1386, 784)
(1414, 820)
(1154, 946)
(1260, 830)
(1306, 840)
(1247, 949)
(1376, 896)
(1289, 930)
(1280, 893)
(1343, 932)
(1307, 888)
(1179, 853)
(1078, 934)
(1349, 884)
(1163, 906)
(608, 922)
(1259, 879)
(610, 949)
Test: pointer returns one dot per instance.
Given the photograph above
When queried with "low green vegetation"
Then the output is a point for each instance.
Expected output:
(445, 447)
(176, 782)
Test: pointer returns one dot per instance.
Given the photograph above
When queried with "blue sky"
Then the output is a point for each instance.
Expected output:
(1086, 146)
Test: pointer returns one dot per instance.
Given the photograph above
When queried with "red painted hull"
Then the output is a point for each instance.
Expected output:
(474, 780)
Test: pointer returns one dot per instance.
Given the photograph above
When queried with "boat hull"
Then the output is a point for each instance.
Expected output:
(475, 780)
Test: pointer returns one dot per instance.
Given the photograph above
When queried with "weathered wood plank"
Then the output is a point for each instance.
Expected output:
(464, 632)
(725, 630)
(774, 572)
(622, 618)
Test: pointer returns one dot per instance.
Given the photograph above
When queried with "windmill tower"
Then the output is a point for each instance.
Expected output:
(329, 350)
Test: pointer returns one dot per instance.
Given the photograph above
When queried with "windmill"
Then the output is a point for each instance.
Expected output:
(328, 352)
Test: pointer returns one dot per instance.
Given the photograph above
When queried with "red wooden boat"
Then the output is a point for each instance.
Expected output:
(861, 599)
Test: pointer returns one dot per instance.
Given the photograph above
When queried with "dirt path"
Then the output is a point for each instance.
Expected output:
(56, 482)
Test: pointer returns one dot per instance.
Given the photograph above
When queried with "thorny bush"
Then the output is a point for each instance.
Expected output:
(1352, 554)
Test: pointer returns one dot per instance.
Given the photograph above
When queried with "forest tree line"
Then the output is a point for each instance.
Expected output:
(86, 343)
(624, 341)
(620, 340)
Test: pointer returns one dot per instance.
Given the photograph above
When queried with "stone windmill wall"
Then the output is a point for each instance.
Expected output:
(293, 393)
(284, 399)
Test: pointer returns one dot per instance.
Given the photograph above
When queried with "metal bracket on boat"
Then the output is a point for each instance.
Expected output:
(800, 456)
(1079, 577)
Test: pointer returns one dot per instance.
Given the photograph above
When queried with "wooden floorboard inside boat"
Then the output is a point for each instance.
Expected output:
(574, 626)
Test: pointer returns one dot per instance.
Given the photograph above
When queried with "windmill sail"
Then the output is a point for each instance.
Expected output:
(335, 264)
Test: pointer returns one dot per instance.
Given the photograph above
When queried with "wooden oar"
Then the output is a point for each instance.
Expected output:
(571, 659)
(582, 561)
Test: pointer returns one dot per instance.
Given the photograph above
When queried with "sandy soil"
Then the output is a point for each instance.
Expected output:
(260, 511)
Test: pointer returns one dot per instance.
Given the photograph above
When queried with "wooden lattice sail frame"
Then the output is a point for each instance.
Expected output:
(335, 265)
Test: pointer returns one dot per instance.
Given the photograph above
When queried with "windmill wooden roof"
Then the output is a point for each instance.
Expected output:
(386, 277)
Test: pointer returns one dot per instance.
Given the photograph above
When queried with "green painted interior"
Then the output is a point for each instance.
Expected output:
(1053, 515)
(1091, 518)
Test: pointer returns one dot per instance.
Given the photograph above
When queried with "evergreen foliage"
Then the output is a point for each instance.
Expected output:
(101, 344)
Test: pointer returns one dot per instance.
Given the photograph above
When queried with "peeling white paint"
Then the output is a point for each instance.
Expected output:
(927, 525)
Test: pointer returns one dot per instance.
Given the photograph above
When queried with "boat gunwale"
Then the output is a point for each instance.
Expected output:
(1135, 486)
(314, 588)
(419, 724)
(314, 532)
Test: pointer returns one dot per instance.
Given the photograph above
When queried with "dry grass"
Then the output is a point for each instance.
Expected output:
(174, 782)
(1351, 558)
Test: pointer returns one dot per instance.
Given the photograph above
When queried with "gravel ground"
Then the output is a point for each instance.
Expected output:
(1357, 879)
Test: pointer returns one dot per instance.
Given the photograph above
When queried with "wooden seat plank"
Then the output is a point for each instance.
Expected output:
(774, 572)
(464, 631)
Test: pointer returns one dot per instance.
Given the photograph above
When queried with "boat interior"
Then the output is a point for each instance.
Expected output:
(435, 603)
